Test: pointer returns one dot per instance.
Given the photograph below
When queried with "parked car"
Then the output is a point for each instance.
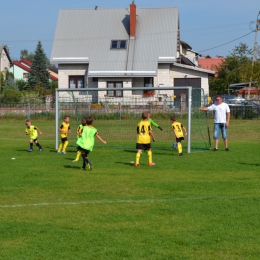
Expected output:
(234, 101)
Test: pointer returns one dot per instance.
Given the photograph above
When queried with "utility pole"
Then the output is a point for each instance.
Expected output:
(257, 28)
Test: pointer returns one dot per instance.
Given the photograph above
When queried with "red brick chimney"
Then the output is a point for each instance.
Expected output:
(132, 19)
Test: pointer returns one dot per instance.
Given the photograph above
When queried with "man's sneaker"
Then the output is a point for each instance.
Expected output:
(63, 152)
(227, 149)
(180, 154)
(136, 165)
(75, 161)
(40, 149)
(151, 164)
(215, 150)
(89, 165)
(30, 150)
(84, 169)
(58, 152)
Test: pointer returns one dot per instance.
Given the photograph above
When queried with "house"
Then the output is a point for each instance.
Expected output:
(128, 48)
(22, 68)
(210, 63)
(5, 59)
(187, 55)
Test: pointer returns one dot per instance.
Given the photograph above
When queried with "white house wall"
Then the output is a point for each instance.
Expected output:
(4, 64)
(178, 72)
(66, 70)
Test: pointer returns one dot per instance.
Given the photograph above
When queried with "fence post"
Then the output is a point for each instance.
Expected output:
(120, 112)
(89, 105)
(28, 111)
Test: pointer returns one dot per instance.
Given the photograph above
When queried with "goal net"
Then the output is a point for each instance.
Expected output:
(117, 113)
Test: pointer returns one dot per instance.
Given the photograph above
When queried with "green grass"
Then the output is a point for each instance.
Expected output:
(203, 205)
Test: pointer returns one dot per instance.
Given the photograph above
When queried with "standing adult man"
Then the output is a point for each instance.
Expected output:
(221, 120)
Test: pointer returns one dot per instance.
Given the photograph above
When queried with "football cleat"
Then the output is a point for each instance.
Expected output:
(151, 164)
(89, 165)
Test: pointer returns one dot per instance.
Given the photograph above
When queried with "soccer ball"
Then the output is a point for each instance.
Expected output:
(174, 146)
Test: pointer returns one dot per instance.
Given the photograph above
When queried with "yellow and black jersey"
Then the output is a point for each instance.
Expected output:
(177, 126)
(65, 128)
(143, 132)
(79, 131)
(32, 131)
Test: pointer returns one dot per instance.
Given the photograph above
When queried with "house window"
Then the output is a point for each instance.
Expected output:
(118, 44)
(148, 83)
(76, 81)
(112, 86)
(25, 75)
(94, 79)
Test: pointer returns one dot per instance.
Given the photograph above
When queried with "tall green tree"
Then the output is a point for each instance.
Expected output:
(26, 55)
(39, 74)
(236, 68)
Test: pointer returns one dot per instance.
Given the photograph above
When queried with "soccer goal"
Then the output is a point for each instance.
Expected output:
(116, 113)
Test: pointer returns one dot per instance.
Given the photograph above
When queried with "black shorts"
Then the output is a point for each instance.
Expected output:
(84, 151)
(143, 146)
(178, 140)
(64, 139)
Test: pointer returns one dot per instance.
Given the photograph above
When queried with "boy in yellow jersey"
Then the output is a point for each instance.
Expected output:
(64, 130)
(87, 140)
(32, 131)
(79, 131)
(144, 134)
(177, 128)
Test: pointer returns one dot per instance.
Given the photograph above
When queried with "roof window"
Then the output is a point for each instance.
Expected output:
(118, 44)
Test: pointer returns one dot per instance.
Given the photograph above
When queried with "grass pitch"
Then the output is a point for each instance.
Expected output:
(202, 205)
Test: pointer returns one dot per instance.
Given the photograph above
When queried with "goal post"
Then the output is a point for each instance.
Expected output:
(95, 101)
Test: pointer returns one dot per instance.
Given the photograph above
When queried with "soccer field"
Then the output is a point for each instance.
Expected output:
(203, 205)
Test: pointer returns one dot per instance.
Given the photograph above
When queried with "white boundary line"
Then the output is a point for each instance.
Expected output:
(121, 201)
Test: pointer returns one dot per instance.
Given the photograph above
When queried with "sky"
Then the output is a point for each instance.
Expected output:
(210, 27)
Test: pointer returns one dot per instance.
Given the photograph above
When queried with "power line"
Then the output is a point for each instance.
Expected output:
(227, 42)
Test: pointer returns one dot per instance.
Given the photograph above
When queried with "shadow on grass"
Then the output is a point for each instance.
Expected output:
(126, 163)
(130, 151)
(252, 164)
(72, 167)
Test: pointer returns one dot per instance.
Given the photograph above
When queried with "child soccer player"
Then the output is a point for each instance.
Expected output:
(87, 140)
(79, 132)
(64, 130)
(177, 128)
(152, 122)
(144, 134)
(32, 131)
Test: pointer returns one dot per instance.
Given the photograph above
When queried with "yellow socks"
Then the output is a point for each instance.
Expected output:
(78, 155)
(65, 146)
(137, 158)
(150, 157)
(179, 148)
(60, 147)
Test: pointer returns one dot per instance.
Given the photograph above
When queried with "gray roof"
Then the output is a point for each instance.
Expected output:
(211, 72)
(84, 36)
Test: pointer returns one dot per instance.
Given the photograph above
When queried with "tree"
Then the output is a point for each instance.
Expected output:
(10, 95)
(9, 82)
(1, 80)
(21, 84)
(236, 68)
(26, 55)
(39, 74)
